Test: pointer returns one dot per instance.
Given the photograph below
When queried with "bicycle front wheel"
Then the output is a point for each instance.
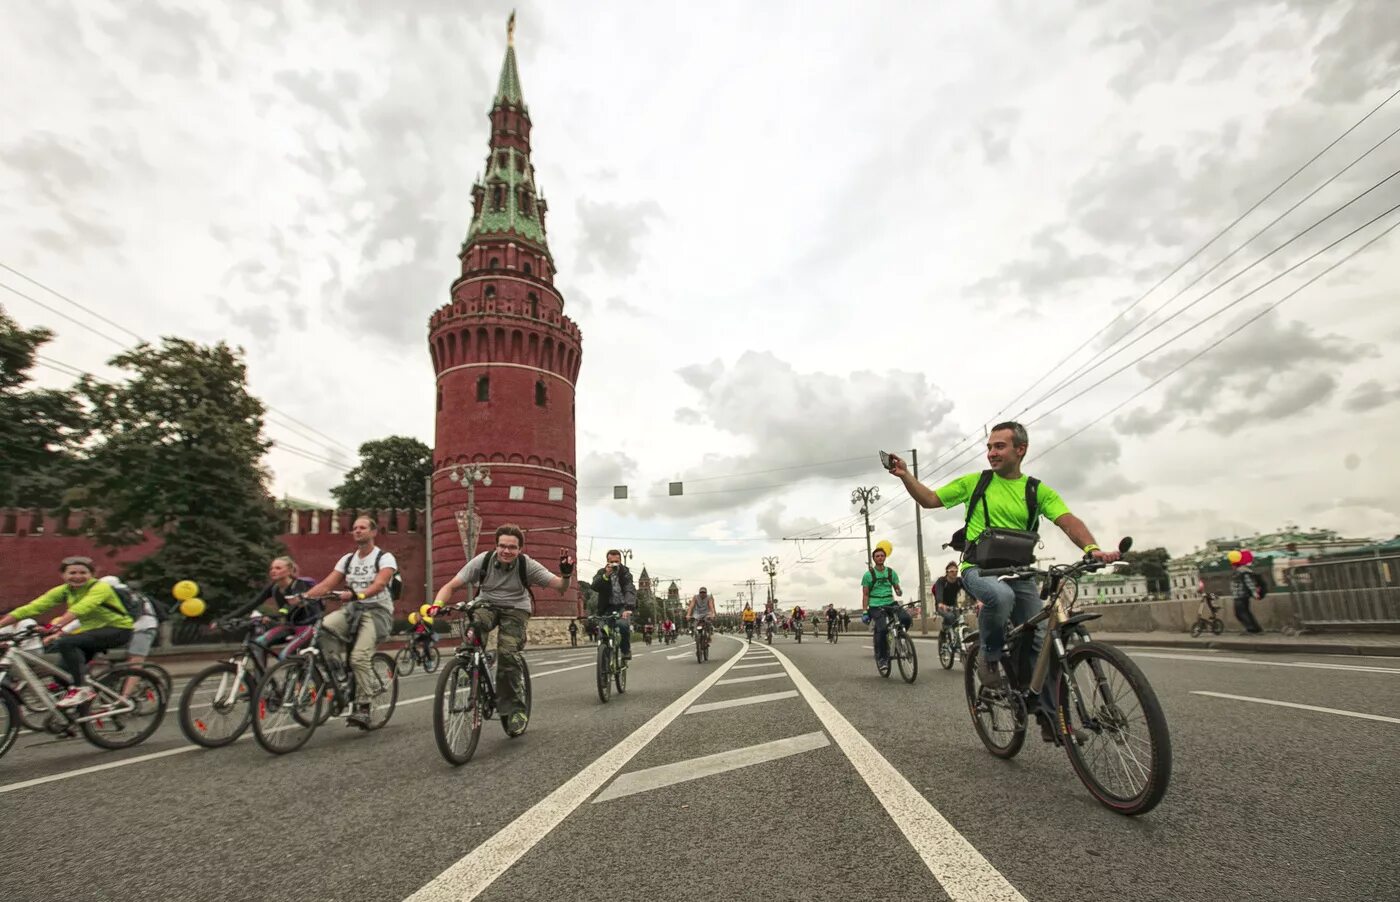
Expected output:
(905, 656)
(116, 728)
(403, 661)
(384, 693)
(457, 712)
(33, 712)
(9, 719)
(287, 705)
(999, 716)
(604, 675)
(216, 707)
(620, 673)
(432, 659)
(947, 652)
(1114, 730)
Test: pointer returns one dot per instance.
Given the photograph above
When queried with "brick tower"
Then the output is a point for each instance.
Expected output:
(506, 359)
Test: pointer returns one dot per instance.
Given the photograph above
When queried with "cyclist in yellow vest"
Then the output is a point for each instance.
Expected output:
(749, 618)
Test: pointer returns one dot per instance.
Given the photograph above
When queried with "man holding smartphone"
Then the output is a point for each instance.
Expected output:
(616, 593)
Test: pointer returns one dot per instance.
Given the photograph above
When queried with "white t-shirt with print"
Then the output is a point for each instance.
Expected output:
(362, 572)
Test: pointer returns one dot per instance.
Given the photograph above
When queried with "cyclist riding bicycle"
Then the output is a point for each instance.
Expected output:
(832, 616)
(105, 622)
(368, 571)
(945, 597)
(617, 594)
(283, 595)
(700, 613)
(503, 577)
(1006, 500)
(879, 586)
(423, 637)
(749, 618)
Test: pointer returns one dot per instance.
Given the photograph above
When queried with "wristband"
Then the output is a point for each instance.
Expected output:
(1091, 548)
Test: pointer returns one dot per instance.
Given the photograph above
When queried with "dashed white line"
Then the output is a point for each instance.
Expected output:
(708, 765)
(773, 663)
(1269, 701)
(751, 679)
(479, 868)
(740, 702)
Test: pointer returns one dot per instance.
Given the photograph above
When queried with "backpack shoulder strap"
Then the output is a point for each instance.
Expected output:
(520, 569)
(348, 559)
(486, 567)
(1032, 504)
(980, 494)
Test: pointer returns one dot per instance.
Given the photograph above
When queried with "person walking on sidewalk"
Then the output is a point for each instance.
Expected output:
(573, 633)
(1245, 585)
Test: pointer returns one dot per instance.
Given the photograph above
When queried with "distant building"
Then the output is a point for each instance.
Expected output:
(1112, 588)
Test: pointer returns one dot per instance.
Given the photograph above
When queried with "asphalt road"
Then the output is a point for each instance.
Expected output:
(837, 784)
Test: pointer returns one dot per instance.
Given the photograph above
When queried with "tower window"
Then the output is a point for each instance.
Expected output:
(491, 289)
(539, 393)
(525, 204)
(483, 388)
(528, 270)
(534, 305)
(494, 264)
(498, 198)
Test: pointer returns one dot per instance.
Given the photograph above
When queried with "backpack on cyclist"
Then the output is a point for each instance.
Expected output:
(519, 569)
(160, 610)
(998, 546)
(395, 586)
(129, 601)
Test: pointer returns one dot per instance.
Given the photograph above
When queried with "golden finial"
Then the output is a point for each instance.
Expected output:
(510, 30)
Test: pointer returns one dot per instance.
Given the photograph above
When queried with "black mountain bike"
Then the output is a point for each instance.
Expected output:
(953, 642)
(1090, 698)
(899, 649)
(413, 655)
(797, 631)
(301, 693)
(768, 632)
(612, 669)
(466, 691)
(832, 632)
(703, 632)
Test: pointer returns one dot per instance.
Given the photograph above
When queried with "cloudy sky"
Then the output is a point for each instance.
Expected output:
(792, 233)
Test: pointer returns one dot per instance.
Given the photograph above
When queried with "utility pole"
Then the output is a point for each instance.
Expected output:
(427, 529)
(770, 566)
(864, 495)
(919, 543)
(468, 521)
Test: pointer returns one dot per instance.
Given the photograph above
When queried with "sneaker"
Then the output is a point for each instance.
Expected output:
(990, 674)
(359, 717)
(77, 696)
(516, 723)
(1047, 730)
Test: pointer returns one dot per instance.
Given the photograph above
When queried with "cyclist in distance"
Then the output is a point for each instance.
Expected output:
(1003, 502)
(503, 577)
(945, 597)
(617, 594)
(749, 618)
(700, 613)
(283, 594)
(105, 622)
(365, 574)
(832, 616)
(878, 587)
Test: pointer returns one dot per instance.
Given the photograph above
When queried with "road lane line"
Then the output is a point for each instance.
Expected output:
(739, 702)
(1307, 665)
(153, 756)
(774, 663)
(709, 765)
(684, 654)
(751, 679)
(954, 862)
(479, 868)
(1270, 701)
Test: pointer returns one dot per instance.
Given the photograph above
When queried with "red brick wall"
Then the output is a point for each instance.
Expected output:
(31, 546)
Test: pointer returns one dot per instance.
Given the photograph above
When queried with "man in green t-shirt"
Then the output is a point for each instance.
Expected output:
(879, 586)
(1000, 601)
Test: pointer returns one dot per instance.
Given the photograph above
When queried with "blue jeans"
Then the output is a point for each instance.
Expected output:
(879, 618)
(1015, 600)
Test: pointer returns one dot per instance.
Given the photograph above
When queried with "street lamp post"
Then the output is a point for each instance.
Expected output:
(864, 495)
(770, 567)
(470, 531)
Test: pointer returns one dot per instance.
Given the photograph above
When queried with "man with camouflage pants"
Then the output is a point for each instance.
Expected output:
(503, 577)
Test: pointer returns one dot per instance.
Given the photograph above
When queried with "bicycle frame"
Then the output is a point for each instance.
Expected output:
(473, 650)
(21, 661)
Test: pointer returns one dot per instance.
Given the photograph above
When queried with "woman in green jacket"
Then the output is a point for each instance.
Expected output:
(104, 622)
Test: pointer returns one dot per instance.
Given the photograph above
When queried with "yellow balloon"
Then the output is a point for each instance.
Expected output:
(423, 610)
(885, 546)
(413, 618)
(185, 589)
(192, 607)
(1235, 557)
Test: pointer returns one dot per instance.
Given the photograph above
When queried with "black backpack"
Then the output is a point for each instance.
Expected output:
(519, 568)
(129, 601)
(395, 584)
(161, 611)
(979, 495)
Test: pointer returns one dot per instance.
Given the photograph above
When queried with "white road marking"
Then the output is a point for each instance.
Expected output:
(1361, 668)
(1269, 701)
(153, 756)
(709, 765)
(961, 870)
(739, 702)
(751, 679)
(684, 654)
(773, 663)
(479, 868)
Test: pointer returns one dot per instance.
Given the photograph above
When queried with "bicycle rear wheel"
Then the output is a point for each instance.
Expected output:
(404, 661)
(384, 694)
(998, 716)
(287, 705)
(604, 675)
(457, 711)
(1114, 730)
(906, 657)
(215, 707)
(117, 729)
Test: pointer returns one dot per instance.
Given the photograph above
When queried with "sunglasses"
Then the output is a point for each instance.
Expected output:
(75, 560)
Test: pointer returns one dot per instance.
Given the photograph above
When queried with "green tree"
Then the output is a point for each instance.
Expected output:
(391, 473)
(42, 427)
(1152, 564)
(180, 453)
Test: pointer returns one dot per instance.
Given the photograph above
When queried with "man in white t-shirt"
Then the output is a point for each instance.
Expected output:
(367, 571)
